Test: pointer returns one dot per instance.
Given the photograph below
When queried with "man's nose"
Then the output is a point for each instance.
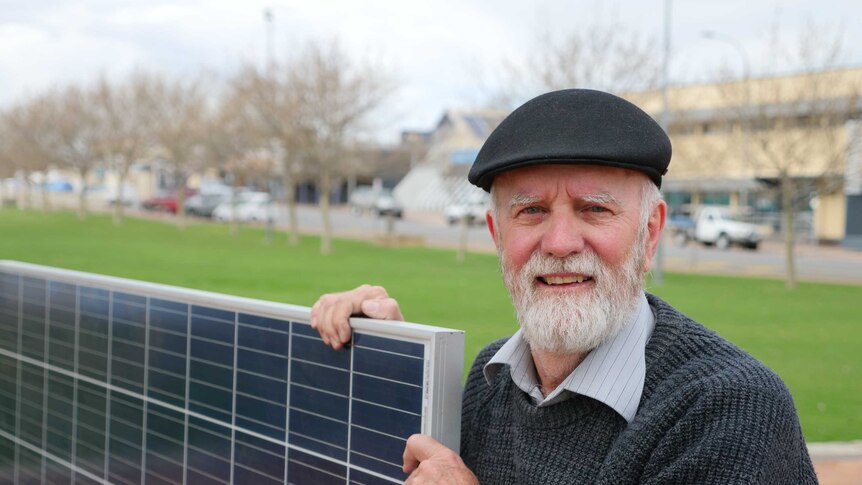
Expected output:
(564, 235)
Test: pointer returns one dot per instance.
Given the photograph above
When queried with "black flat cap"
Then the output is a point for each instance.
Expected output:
(574, 126)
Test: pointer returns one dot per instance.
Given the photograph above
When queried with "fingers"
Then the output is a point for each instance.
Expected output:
(382, 309)
(330, 315)
(419, 448)
(428, 461)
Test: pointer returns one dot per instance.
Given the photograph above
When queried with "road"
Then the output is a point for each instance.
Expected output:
(814, 263)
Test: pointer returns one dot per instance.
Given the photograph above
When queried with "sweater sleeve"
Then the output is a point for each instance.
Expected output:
(734, 434)
(473, 390)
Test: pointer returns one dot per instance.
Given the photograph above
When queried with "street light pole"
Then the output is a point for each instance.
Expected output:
(270, 73)
(658, 270)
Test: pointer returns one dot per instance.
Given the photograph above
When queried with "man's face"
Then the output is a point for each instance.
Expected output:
(572, 250)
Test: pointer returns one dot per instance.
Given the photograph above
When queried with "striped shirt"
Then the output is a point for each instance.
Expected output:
(612, 373)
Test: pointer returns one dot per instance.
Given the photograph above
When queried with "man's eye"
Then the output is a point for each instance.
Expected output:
(532, 210)
(597, 209)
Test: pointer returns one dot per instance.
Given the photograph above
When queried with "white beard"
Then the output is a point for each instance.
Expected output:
(561, 323)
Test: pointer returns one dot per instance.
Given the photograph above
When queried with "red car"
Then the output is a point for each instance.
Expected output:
(165, 202)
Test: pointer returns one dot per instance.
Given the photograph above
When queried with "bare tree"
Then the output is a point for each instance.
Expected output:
(336, 96)
(70, 134)
(231, 135)
(181, 114)
(269, 103)
(603, 55)
(29, 147)
(125, 114)
(266, 103)
(796, 124)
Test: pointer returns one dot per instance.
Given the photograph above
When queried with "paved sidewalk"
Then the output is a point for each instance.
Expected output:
(837, 463)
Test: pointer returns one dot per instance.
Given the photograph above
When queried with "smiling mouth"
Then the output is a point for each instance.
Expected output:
(562, 280)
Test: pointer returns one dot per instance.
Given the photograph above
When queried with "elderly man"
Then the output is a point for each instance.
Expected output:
(603, 383)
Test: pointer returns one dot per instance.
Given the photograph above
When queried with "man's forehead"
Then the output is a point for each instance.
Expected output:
(577, 180)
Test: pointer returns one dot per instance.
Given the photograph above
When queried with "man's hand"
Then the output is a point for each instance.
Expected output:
(331, 314)
(426, 460)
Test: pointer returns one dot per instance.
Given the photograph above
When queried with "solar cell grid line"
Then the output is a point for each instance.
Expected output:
(122, 381)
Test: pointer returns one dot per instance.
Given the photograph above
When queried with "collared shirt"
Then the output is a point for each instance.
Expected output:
(612, 373)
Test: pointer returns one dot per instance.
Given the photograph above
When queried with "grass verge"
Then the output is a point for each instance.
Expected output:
(811, 336)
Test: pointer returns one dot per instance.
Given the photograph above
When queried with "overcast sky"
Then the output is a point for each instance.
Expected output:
(437, 49)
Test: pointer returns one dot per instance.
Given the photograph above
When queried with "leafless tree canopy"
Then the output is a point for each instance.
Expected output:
(601, 55)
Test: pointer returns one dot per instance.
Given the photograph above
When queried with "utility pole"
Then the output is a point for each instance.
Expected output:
(658, 270)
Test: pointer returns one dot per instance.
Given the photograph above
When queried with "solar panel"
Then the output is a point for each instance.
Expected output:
(110, 380)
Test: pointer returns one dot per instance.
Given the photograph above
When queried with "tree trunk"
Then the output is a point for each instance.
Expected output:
(181, 202)
(290, 200)
(234, 219)
(119, 204)
(789, 240)
(325, 192)
(46, 198)
(82, 196)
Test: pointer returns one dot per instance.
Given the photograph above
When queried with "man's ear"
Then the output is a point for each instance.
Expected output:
(655, 227)
(489, 220)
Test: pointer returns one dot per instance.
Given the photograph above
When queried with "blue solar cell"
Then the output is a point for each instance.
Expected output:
(168, 388)
(212, 397)
(257, 362)
(358, 477)
(167, 362)
(388, 344)
(244, 475)
(313, 401)
(264, 322)
(210, 438)
(385, 420)
(326, 449)
(259, 455)
(130, 332)
(323, 378)
(62, 295)
(388, 366)
(265, 340)
(213, 329)
(319, 428)
(128, 310)
(262, 387)
(387, 393)
(386, 468)
(261, 411)
(206, 468)
(379, 446)
(214, 313)
(211, 374)
(169, 320)
(313, 350)
(212, 352)
(175, 306)
(303, 468)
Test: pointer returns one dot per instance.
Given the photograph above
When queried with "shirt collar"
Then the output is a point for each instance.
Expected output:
(612, 373)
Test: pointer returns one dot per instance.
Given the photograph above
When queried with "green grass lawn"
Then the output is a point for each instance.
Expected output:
(811, 336)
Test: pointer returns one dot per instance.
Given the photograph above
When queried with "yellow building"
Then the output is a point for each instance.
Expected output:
(735, 141)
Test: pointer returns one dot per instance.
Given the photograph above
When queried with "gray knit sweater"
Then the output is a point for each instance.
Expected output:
(710, 413)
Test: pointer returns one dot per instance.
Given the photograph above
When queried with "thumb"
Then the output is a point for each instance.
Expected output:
(381, 309)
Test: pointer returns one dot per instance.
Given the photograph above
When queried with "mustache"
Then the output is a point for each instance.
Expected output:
(586, 263)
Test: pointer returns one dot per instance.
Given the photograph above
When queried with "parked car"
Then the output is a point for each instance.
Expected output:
(474, 209)
(165, 202)
(204, 204)
(248, 207)
(386, 205)
(715, 226)
(362, 199)
(720, 227)
(681, 227)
